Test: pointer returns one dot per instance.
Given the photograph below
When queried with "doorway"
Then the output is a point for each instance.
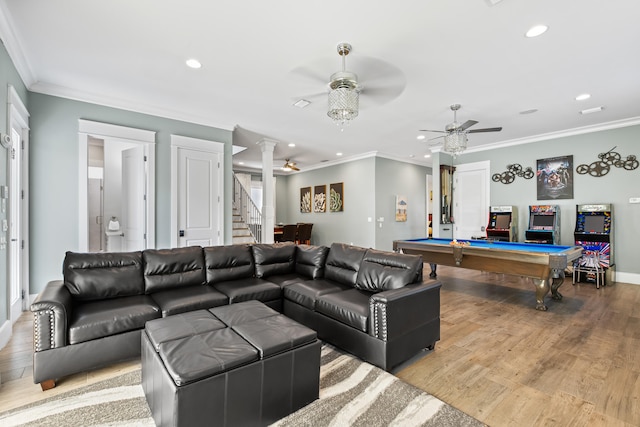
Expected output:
(114, 189)
(15, 204)
(197, 192)
(472, 199)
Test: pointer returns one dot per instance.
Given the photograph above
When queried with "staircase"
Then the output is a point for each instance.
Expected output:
(247, 218)
(241, 231)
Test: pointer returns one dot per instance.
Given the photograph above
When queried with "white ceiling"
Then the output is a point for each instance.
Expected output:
(414, 59)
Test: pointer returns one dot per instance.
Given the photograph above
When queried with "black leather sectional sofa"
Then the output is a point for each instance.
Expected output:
(371, 303)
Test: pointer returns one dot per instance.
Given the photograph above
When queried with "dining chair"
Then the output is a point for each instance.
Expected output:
(304, 233)
(289, 233)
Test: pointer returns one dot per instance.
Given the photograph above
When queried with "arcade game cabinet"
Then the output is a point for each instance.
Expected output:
(544, 225)
(503, 224)
(594, 233)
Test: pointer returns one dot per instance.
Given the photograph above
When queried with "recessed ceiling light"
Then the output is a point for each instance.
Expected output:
(292, 145)
(592, 110)
(338, 154)
(241, 163)
(193, 63)
(421, 137)
(426, 156)
(531, 111)
(301, 103)
(582, 97)
(536, 30)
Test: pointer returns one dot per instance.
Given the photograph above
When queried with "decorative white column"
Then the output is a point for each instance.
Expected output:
(268, 202)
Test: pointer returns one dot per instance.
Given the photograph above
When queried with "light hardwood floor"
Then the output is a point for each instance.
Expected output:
(498, 359)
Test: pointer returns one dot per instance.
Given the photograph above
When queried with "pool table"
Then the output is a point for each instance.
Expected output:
(544, 264)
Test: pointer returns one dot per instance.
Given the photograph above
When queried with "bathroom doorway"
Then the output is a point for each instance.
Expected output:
(117, 191)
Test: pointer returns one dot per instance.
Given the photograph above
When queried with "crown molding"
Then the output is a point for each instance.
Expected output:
(14, 47)
(413, 161)
(366, 155)
(129, 105)
(632, 121)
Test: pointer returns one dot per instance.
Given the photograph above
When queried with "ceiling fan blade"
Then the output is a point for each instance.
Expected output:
(312, 74)
(467, 124)
(429, 130)
(437, 137)
(485, 130)
(379, 95)
(294, 168)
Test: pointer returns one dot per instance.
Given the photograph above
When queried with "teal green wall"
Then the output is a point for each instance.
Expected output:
(370, 188)
(8, 76)
(54, 175)
(282, 199)
(616, 187)
(397, 178)
(349, 226)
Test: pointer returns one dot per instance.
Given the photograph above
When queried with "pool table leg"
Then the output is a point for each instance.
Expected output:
(433, 273)
(556, 277)
(542, 289)
(556, 281)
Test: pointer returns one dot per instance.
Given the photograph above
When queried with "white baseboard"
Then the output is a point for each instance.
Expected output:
(632, 278)
(5, 333)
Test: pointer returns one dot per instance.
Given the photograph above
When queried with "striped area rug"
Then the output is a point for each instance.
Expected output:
(352, 393)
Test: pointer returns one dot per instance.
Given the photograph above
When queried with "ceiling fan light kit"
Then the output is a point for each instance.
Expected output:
(455, 138)
(344, 97)
(455, 142)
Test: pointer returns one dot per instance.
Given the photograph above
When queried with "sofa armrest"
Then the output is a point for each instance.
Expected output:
(394, 312)
(51, 311)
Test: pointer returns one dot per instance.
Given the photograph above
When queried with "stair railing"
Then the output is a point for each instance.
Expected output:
(249, 212)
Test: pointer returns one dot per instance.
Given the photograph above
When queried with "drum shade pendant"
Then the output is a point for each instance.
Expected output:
(455, 142)
(344, 95)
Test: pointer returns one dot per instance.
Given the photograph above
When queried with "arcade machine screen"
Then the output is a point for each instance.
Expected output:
(503, 221)
(542, 222)
(594, 224)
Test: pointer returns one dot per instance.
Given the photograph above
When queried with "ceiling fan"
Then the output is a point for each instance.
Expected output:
(344, 89)
(289, 166)
(455, 138)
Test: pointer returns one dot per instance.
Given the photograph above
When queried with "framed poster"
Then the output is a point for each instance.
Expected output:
(305, 199)
(555, 178)
(336, 197)
(320, 198)
(401, 208)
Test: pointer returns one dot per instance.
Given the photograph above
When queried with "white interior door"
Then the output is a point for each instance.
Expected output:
(471, 200)
(198, 192)
(197, 189)
(16, 206)
(14, 223)
(133, 199)
(96, 229)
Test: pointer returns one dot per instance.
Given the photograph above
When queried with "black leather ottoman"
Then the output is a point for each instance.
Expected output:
(241, 364)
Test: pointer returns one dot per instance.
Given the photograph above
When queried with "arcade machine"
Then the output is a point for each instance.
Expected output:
(594, 233)
(503, 224)
(544, 225)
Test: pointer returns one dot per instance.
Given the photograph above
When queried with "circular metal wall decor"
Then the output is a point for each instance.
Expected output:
(508, 176)
(603, 166)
